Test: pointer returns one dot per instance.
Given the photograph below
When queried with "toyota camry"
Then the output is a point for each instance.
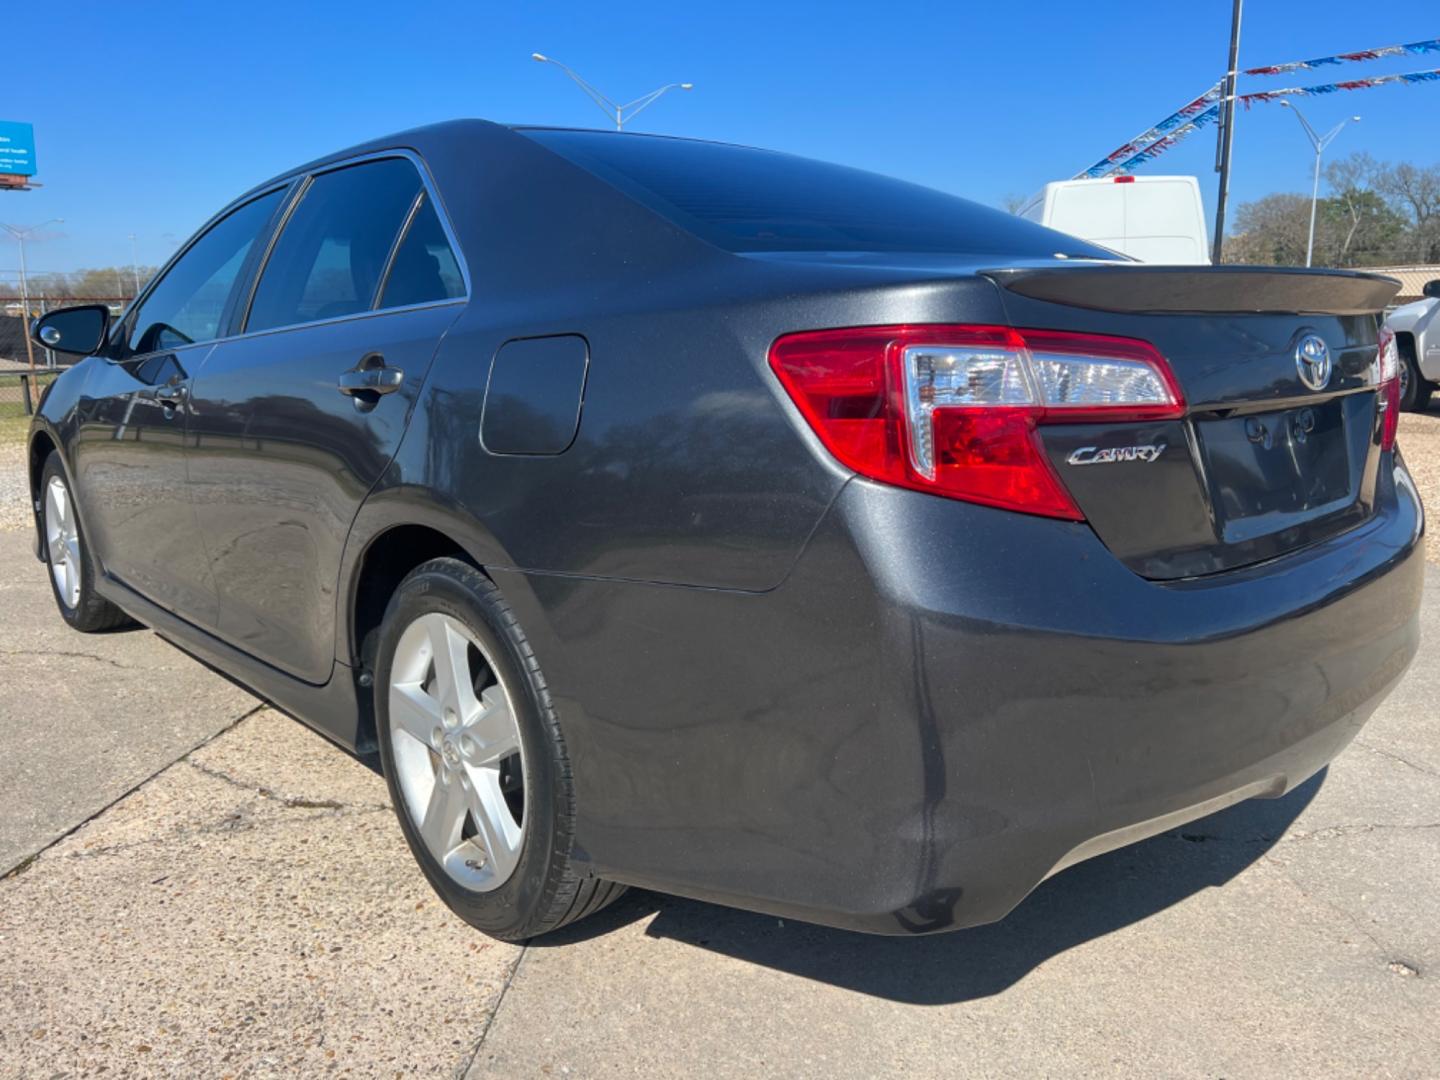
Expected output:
(707, 519)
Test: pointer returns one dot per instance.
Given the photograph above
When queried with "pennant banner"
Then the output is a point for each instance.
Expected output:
(1181, 118)
(1148, 147)
(1155, 149)
(1333, 88)
(1413, 48)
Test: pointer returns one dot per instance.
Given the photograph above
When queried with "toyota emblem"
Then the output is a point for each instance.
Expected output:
(1312, 361)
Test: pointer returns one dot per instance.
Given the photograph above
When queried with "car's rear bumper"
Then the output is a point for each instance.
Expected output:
(943, 704)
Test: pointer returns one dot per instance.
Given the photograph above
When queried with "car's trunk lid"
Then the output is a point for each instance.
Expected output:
(1263, 462)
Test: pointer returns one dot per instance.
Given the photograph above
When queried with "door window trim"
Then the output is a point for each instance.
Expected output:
(427, 192)
(120, 335)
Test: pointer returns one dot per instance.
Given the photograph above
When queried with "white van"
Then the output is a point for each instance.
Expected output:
(1156, 219)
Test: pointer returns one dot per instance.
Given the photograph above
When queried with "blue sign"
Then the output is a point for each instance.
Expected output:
(17, 149)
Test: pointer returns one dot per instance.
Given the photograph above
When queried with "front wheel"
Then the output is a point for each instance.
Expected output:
(474, 757)
(72, 569)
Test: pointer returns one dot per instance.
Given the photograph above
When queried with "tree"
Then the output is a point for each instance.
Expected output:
(109, 282)
(1359, 224)
(1375, 214)
(1415, 190)
(1270, 231)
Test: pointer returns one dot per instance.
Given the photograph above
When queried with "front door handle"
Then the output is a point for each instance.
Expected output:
(372, 378)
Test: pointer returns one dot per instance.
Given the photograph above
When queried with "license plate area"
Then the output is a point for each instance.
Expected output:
(1271, 471)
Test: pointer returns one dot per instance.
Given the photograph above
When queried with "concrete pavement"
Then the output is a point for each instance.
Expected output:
(250, 909)
(84, 718)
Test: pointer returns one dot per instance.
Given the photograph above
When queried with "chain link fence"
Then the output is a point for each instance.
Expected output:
(20, 386)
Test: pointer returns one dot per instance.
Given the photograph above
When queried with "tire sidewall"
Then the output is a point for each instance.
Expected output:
(1416, 392)
(83, 613)
(507, 910)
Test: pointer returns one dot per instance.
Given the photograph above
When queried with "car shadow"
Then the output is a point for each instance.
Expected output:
(1085, 902)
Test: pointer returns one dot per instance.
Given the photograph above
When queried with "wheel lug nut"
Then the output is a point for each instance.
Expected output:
(468, 746)
(451, 719)
(436, 738)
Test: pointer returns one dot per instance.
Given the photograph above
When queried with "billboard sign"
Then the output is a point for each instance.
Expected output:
(17, 149)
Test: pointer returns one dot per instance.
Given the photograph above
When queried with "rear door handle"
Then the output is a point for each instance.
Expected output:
(371, 378)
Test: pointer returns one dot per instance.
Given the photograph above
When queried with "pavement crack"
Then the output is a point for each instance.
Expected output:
(68, 654)
(468, 1064)
(1331, 831)
(29, 860)
(294, 802)
(1401, 758)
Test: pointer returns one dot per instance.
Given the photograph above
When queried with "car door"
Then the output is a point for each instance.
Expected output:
(128, 454)
(295, 419)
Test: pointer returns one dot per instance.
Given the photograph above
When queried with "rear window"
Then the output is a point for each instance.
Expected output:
(758, 200)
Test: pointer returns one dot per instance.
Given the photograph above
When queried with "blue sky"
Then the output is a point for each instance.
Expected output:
(180, 106)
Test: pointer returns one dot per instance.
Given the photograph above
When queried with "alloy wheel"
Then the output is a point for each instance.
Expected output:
(62, 541)
(459, 760)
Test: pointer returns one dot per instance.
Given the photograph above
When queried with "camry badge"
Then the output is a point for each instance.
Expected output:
(1094, 455)
(1312, 361)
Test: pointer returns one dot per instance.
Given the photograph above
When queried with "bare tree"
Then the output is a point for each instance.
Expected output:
(1415, 190)
(1270, 231)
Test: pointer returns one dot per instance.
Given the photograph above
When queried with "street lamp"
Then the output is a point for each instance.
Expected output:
(21, 235)
(1319, 142)
(621, 114)
(134, 264)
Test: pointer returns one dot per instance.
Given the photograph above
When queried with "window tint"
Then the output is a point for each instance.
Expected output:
(329, 258)
(187, 304)
(425, 268)
(757, 200)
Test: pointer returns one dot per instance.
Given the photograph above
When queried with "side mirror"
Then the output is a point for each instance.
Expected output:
(79, 331)
(1432, 288)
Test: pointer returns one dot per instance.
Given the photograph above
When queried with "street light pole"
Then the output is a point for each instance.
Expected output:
(621, 114)
(1319, 142)
(134, 264)
(20, 236)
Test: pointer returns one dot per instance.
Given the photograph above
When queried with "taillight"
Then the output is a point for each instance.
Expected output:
(1388, 360)
(953, 410)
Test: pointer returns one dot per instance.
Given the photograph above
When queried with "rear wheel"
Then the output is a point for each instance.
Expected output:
(474, 757)
(72, 569)
(1415, 389)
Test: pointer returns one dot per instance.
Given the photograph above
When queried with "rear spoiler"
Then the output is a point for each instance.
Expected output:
(1130, 287)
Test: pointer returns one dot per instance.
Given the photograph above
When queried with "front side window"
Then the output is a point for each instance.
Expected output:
(332, 253)
(187, 304)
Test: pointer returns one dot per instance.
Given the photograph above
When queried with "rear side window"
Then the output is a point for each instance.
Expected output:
(329, 259)
(757, 200)
(425, 268)
(188, 303)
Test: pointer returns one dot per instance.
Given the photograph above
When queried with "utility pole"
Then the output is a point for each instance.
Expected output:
(21, 235)
(621, 114)
(1227, 135)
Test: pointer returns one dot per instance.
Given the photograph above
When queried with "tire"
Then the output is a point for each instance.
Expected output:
(72, 579)
(1415, 389)
(506, 868)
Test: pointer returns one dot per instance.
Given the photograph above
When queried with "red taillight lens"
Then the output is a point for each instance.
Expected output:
(953, 410)
(1388, 361)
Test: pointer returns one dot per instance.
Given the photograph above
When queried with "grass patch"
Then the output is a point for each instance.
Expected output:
(14, 425)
